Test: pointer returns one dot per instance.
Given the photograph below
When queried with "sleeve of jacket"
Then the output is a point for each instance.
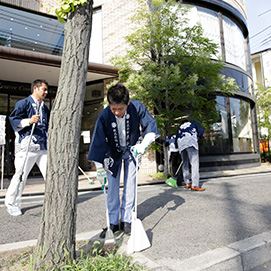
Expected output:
(200, 131)
(98, 147)
(18, 114)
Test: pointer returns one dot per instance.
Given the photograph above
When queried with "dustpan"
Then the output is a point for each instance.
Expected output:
(138, 240)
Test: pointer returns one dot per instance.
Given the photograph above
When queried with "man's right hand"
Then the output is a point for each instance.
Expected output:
(101, 176)
(34, 119)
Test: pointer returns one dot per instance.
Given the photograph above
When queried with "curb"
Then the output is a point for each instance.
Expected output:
(32, 243)
(243, 255)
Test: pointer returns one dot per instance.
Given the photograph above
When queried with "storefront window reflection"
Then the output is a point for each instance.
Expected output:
(216, 139)
(241, 125)
(29, 31)
(242, 79)
(234, 43)
(40, 33)
(209, 21)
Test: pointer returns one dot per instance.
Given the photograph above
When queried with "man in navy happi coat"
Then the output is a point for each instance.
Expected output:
(118, 131)
(187, 141)
(27, 112)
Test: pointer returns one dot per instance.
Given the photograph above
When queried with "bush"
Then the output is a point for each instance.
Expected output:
(265, 157)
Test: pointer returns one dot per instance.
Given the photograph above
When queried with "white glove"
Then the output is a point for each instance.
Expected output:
(101, 176)
(138, 149)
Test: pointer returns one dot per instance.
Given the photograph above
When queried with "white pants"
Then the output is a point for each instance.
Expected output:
(124, 209)
(190, 155)
(16, 187)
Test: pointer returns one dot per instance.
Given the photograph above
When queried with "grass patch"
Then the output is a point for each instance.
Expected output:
(110, 261)
(16, 259)
(89, 258)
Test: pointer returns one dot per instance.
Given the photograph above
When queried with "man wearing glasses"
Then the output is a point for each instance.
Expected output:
(29, 120)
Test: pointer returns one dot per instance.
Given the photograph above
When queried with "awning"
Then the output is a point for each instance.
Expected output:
(24, 66)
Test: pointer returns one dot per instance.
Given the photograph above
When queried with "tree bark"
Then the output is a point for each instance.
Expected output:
(56, 240)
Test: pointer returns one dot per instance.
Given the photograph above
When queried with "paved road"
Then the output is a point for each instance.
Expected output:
(179, 223)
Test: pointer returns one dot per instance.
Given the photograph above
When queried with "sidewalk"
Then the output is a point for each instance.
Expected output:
(36, 185)
(244, 208)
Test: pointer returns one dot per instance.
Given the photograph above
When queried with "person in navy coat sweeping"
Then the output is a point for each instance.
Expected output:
(117, 139)
(187, 141)
(27, 112)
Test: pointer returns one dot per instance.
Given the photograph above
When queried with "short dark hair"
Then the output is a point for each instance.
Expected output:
(118, 94)
(38, 83)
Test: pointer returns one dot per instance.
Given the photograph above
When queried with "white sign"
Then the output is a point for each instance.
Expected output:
(2, 130)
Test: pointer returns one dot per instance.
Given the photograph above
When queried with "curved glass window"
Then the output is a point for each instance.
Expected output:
(243, 81)
(216, 139)
(241, 125)
(234, 43)
(209, 21)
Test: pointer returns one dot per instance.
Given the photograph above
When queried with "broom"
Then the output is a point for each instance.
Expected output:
(172, 181)
(20, 184)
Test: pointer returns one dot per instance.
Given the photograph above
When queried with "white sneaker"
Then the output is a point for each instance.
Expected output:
(14, 210)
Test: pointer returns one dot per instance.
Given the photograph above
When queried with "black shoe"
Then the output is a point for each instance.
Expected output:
(113, 227)
(180, 183)
(126, 227)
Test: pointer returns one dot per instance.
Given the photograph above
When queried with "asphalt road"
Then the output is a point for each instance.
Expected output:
(179, 223)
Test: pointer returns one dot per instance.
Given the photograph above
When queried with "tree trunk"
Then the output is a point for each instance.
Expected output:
(56, 240)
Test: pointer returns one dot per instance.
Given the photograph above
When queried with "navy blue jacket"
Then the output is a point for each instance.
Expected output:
(24, 109)
(105, 139)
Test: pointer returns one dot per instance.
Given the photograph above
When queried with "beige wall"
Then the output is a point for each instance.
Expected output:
(116, 25)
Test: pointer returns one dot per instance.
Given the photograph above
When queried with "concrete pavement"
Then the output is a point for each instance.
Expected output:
(36, 185)
(248, 254)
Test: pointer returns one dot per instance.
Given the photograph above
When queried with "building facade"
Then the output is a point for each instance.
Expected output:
(261, 68)
(261, 71)
(31, 47)
(233, 141)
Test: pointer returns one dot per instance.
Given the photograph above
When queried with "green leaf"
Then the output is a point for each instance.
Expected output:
(66, 8)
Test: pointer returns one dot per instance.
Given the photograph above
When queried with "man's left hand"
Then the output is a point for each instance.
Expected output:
(101, 176)
(138, 149)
